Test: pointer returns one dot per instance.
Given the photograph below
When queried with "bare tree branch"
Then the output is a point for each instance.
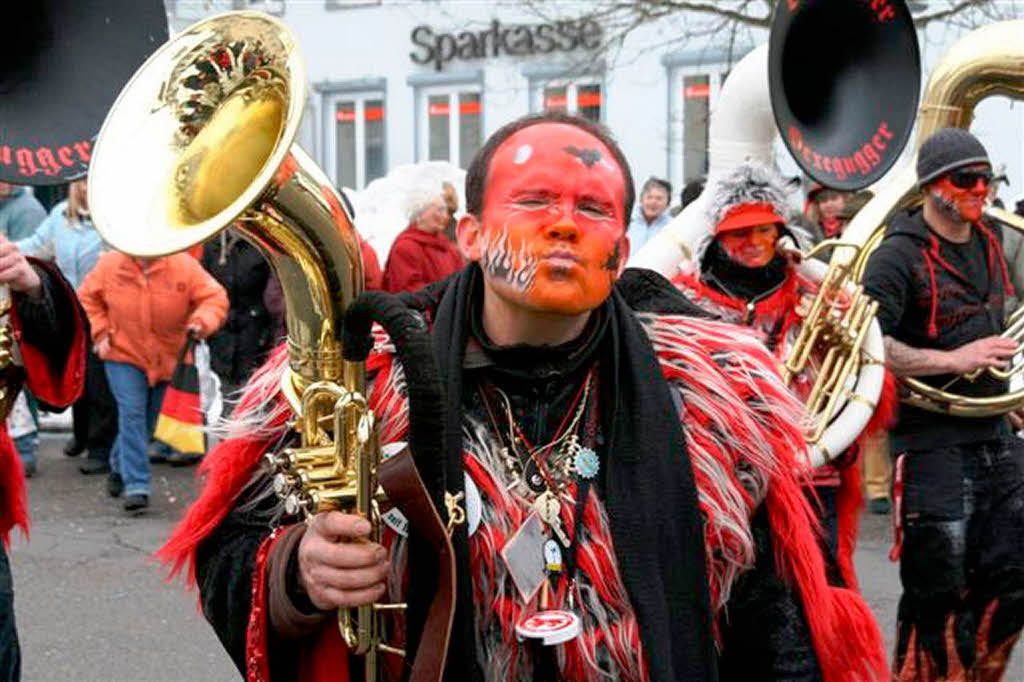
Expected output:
(957, 8)
(709, 20)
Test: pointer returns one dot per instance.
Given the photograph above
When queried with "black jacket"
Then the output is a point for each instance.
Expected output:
(936, 294)
(242, 344)
(765, 635)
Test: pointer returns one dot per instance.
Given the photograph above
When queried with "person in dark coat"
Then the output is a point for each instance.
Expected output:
(673, 436)
(422, 253)
(940, 278)
(243, 342)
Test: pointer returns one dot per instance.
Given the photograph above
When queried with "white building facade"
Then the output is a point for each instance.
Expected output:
(393, 82)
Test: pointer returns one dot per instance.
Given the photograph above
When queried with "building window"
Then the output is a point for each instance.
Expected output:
(355, 144)
(348, 4)
(696, 94)
(452, 128)
(185, 10)
(693, 92)
(583, 98)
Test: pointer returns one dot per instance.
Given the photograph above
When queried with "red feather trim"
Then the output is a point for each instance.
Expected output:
(846, 636)
(849, 501)
(783, 301)
(884, 416)
(13, 494)
(226, 470)
(230, 466)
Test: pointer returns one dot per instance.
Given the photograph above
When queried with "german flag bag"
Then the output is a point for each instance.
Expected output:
(181, 419)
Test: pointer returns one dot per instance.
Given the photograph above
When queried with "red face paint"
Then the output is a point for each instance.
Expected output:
(968, 203)
(751, 247)
(831, 225)
(552, 233)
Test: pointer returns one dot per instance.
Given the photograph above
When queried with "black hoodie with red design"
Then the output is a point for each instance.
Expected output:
(937, 294)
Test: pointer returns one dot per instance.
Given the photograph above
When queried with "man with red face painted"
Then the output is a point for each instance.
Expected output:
(940, 279)
(739, 275)
(626, 468)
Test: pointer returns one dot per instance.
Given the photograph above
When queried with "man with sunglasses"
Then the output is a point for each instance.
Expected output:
(940, 277)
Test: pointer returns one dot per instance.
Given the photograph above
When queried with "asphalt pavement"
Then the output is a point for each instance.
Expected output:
(92, 605)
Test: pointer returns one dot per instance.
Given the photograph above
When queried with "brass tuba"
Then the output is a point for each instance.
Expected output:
(987, 61)
(804, 85)
(201, 138)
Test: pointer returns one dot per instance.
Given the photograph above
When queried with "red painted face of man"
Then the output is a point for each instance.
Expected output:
(751, 247)
(962, 193)
(552, 234)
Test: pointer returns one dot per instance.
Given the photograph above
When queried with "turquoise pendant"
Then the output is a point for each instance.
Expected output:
(586, 463)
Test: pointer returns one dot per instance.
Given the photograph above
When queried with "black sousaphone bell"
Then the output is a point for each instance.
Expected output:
(62, 64)
(844, 77)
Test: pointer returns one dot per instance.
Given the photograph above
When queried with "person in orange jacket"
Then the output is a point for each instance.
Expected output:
(140, 310)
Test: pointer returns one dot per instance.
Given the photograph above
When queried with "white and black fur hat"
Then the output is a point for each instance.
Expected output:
(751, 183)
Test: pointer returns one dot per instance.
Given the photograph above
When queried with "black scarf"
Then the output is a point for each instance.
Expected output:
(736, 280)
(648, 485)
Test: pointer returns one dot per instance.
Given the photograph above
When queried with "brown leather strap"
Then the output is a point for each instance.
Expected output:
(405, 490)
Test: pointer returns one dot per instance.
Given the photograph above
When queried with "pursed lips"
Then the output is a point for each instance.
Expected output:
(559, 255)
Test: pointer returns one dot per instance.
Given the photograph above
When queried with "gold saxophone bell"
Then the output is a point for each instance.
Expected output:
(986, 62)
(203, 134)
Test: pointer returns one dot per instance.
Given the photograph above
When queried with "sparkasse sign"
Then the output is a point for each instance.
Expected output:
(516, 40)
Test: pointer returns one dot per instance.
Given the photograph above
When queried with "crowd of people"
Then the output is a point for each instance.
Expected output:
(141, 310)
(624, 444)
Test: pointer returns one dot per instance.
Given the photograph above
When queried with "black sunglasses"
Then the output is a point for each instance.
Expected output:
(967, 179)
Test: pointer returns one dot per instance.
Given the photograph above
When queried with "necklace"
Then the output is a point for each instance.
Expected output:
(554, 474)
(571, 458)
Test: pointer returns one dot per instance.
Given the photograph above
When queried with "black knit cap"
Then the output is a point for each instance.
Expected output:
(946, 150)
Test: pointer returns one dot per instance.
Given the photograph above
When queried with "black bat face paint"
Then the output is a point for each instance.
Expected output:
(614, 258)
(588, 156)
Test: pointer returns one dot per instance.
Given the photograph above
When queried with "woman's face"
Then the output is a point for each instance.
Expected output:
(751, 247)
(653, 202)
(434, 218)
(80, 190)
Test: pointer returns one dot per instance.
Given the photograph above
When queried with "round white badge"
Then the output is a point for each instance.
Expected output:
(550, 627)
(473, 504)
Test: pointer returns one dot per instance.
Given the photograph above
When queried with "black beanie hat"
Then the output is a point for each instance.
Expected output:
(946, 150)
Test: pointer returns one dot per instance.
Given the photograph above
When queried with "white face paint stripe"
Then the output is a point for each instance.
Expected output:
(523, 154)
(498, 260)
